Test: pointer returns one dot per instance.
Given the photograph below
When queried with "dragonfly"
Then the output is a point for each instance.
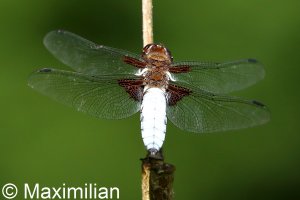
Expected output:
(111, 83)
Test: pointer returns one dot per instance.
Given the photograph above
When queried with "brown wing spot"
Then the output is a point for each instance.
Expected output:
(134, 62)
(180, 69)
(46, 70)
(133, 87)
(258, 103)
(176, 93)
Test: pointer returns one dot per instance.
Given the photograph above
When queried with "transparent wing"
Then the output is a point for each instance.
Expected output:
(220, 78)
(87, 57)
(205, 112)
(98, 96)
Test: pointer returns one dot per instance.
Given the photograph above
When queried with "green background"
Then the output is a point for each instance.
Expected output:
(42, 141)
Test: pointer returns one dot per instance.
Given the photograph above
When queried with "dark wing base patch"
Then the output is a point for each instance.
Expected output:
(133, 87)
(134, 62)
(180, 69)
(176, 93)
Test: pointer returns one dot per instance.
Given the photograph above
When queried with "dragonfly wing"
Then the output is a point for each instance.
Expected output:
(220, 78)
(101, 97)
(87, 57)
(201, 112)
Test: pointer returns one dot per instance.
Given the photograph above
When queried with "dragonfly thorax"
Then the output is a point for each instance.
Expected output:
(157, 55)
(156, 78)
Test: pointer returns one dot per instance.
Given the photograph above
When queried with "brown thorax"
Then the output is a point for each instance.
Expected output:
(158, 59)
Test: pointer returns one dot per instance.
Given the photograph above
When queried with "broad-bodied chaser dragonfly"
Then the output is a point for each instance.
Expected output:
(111, 83)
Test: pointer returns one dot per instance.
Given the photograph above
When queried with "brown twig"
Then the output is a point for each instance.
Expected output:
(157, 179)
(147, 22)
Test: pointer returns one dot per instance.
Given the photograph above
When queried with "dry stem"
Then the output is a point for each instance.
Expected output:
(147, 22)
(157, 179)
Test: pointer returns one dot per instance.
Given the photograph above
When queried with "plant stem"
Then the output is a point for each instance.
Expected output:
(157, 179)
(147, 22)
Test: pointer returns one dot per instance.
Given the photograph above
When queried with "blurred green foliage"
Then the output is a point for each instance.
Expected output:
(43, 141)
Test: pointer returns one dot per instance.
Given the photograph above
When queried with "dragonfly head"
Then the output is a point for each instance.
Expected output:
(154, 53)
